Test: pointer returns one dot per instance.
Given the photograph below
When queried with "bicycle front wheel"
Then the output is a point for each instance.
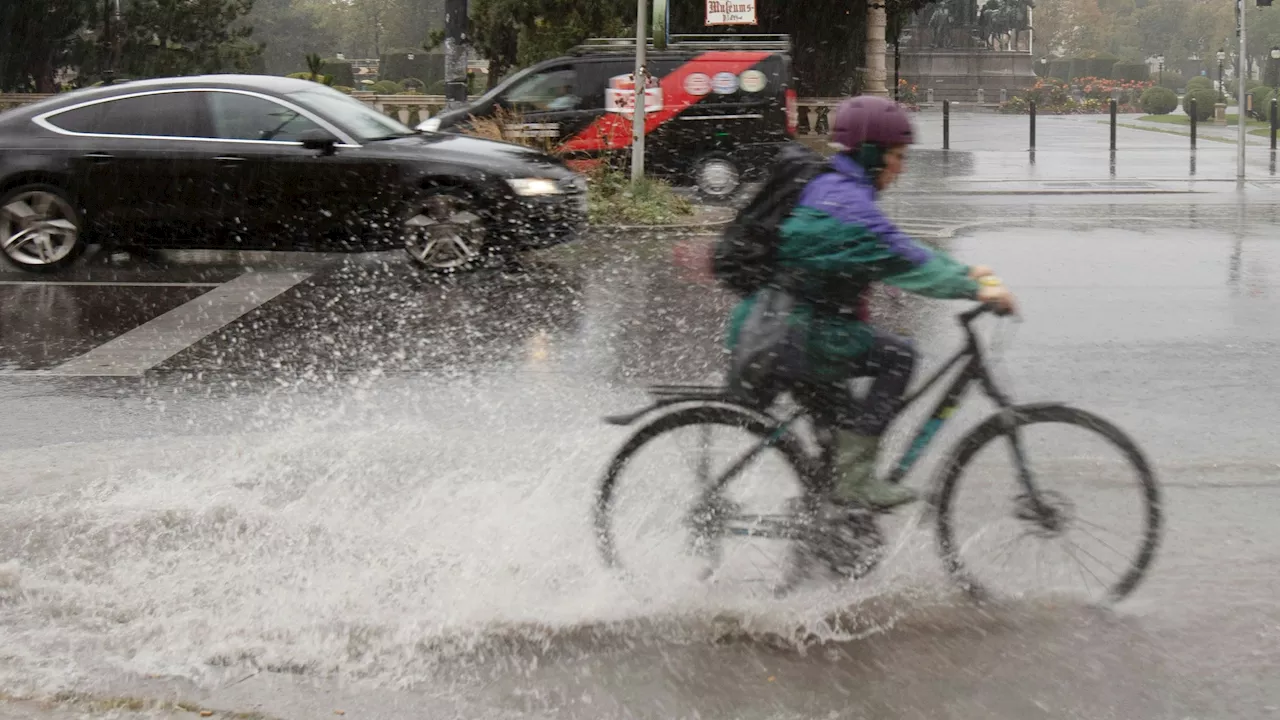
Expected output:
(665, 512)
(1091, 519)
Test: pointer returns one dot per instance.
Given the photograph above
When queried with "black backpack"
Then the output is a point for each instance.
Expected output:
(744, 256)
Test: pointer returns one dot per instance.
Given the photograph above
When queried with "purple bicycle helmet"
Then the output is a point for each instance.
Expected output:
(871, 119)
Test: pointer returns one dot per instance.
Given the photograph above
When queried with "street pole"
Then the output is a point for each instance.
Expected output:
(637, 117)
(1240, 114)
(455, 52)
(876, 48)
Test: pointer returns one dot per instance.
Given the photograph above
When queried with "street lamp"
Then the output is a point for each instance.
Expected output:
(1275, 62)
(1160, 60)
(1275, 70)
(1222, 55)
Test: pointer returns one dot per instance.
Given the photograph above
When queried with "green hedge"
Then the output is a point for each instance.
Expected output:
(1171, 80)
(340, 71)
(1093, 67)
(1199, 82)
(1138, 72)
(427, 67)
(386, 87)
(1069, 69)
(322, 79)
(1262, 102)
(1205, 100)
(1159, 101)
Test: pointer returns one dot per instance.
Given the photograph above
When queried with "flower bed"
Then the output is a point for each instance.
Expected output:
(1053, 97)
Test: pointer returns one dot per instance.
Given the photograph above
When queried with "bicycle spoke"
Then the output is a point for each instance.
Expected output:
(1100, 527)
(1004, 550)
(1092, 557)
(703, 470)
(1081, 567)
(993, 447)
(1103, 543)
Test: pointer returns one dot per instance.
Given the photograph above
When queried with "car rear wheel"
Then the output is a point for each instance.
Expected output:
(717, 176)
(40, 229)
(445, 233)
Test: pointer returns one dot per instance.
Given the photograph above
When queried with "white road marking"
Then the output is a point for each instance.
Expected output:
(109, 283)
(153, 342)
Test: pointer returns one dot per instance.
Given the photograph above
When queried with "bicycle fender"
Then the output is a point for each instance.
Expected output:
(1002, 416)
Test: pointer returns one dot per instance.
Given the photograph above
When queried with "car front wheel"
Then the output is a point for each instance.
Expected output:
(445, 233)
(40, 229)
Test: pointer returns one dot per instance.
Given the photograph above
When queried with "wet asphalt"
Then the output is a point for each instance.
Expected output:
(369, 493)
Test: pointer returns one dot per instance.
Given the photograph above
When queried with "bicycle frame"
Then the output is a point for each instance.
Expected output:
(970, 359)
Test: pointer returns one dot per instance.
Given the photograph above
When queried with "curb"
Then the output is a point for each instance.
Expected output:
(668, 228)
(1090, 191)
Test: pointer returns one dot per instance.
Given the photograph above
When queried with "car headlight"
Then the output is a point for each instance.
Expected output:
(429, 125)
(533, 187)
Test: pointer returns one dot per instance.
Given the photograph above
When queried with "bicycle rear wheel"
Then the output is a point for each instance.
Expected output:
(1112, 547)
(664, 515)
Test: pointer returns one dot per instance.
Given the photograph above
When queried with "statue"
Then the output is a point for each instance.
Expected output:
(943, 18)
(1000, 21)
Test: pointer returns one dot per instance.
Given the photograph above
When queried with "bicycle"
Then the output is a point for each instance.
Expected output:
(857, 548)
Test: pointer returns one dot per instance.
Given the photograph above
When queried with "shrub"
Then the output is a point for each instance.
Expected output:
(340, 71)
(386, 87)
(1138, 72)
(494, 127)
(1048, 92)
(344, 88)
(612, 198)
(1090, 67)
(1199, 82)
(1172, 80)
(1262, 102)
(1159, 101)
(1205, 100)
(413, 84)
(322, 79)
(425, 67)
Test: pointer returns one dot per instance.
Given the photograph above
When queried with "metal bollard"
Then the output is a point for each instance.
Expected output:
(1032, 106)
(1113, 124)
(946, 124)
(1275, 121)
(1191, 110)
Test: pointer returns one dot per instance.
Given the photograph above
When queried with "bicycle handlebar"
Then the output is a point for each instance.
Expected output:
(980, 309)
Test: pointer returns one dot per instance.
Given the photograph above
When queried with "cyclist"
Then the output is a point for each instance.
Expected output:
(810, 328)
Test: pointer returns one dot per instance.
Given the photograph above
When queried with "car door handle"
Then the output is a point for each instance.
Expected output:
(99, 158)
(228, 160)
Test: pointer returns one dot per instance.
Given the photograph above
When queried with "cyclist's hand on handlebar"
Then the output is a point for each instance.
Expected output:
(999, 297)
(979, 271)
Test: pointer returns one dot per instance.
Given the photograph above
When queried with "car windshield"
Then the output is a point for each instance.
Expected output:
(363, 122)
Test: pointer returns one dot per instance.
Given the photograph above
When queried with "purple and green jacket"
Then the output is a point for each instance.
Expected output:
(835, 244)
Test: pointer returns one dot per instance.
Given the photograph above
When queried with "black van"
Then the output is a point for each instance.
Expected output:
(717, 108)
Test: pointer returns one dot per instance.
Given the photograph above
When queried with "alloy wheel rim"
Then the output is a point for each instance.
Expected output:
(38, 228)
(445, 234)
(718, 177)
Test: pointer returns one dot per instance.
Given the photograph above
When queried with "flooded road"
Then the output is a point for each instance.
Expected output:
(371, 493)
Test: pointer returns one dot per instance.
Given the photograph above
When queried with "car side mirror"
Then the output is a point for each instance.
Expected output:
(320, 141)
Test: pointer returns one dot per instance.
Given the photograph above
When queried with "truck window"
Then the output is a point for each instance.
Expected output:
(548, 91)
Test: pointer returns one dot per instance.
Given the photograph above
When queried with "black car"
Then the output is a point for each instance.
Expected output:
(719, 107)
(265, 163)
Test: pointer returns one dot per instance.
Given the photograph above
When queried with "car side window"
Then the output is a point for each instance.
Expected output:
(545, 92)
(171, 114)
(237, 116)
